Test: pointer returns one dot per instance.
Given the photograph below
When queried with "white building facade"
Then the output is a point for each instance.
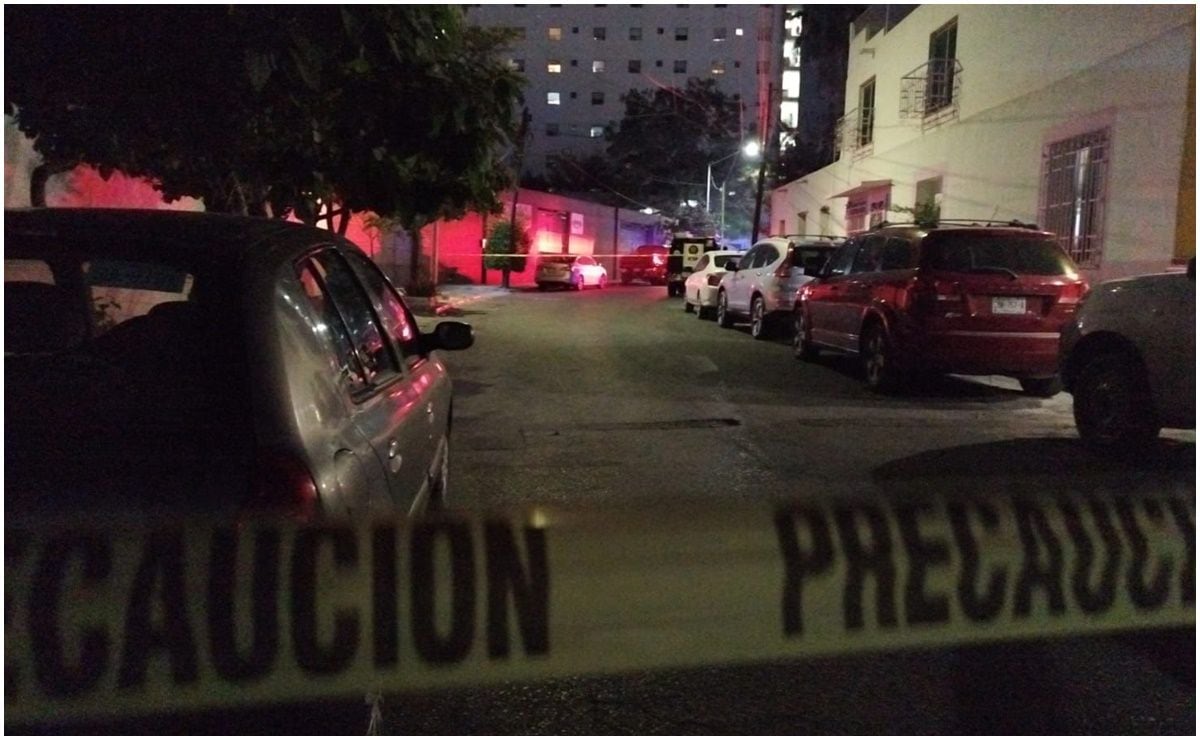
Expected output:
(1078, 118)
(580, 59)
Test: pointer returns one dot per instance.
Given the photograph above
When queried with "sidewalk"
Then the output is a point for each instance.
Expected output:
(452, 298)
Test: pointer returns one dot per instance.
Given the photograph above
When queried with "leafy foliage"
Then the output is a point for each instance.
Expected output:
(401, 110)
(926, 214)
(658, 156)
(503, 242)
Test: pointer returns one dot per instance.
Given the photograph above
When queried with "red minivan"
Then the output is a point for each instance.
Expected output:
(976, 300)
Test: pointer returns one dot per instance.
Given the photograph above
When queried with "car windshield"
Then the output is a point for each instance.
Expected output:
(963, 252)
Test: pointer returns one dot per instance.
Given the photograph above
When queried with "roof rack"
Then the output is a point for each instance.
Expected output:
(1014, 223)
(827, 237)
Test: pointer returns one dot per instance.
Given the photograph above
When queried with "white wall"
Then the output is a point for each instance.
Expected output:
(1017, 96)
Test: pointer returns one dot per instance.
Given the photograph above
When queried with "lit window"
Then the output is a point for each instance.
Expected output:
(681, 34)
(596, 132)
(599, 33)
(554, 67)
(597, 98)
(635, 34)
(680, 66)
(738, 32)
(635, 66)
(555, 33)
(720, 34)
(553, 98)
(598, 65)
(718, 67)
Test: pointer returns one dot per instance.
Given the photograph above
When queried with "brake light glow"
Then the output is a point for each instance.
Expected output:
(715, 279)
(1073, 293)
(282, 484)
(657, 259)
(933, 297)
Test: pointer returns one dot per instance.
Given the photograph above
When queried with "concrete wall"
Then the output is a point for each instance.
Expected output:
(1031, 75)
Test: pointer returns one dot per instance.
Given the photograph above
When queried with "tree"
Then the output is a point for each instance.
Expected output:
(507, 248)
(317, 111)
(662, 147)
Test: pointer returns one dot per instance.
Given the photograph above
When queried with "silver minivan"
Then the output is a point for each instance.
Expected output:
(190, 362)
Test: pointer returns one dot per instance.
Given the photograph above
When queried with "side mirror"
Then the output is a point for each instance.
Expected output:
(449, 335)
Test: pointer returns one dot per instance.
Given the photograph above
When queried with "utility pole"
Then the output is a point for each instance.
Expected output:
(769, 145)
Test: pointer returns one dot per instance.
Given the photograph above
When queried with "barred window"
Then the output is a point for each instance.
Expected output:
(1074, 173)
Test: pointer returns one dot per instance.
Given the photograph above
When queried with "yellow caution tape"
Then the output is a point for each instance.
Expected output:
(123, 620)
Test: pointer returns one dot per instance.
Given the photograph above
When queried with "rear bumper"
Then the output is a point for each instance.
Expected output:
(1020, 354)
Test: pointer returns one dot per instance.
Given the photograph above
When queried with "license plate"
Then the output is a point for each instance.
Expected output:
(1008, 305)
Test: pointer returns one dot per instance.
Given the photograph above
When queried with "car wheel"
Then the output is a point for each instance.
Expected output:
(701, 311)
(724, 318)
(578, 285)
(1042, 387)
(1113, 408)
(687, 304)
(879, 361)
(758, 319)
(603, 282)
(802, 346)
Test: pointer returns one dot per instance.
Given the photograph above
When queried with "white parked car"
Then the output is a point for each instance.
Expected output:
(576, 271)
(763, 284)
(700, 289)
(1129, 359)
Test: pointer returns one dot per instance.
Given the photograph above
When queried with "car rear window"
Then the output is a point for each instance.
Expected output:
(721, 260)
(1024, 255)
(554, 259)
(810, 256)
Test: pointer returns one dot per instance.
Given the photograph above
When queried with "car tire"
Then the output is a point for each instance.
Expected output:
(542, 286)
(802, 346)
(702, 312)
(1042, 387)
(1114, 412)
(578, 285)
(603, 282)
(724, 318)
(687, 305)
(759, 325)
(879, 360)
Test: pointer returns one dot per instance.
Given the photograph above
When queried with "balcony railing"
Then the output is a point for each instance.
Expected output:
(931, 92)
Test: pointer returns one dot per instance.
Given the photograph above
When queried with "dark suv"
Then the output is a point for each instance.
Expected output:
(976, 300)
(648, 262)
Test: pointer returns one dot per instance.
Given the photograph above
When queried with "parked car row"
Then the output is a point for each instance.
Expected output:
(574, 271)
(975, 300)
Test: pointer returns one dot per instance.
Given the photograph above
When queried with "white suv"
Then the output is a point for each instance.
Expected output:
(764, 282)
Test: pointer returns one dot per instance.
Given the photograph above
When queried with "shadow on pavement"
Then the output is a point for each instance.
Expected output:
(1066, 461)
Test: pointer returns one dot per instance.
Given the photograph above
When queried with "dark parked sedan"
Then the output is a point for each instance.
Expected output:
(194, 362)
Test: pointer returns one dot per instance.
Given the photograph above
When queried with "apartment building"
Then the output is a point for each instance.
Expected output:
(580, 59)
(1078, 118)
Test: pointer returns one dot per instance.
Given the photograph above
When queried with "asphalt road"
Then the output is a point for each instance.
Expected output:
(618, 398)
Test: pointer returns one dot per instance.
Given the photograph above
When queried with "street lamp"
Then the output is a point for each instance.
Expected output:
(750, 150)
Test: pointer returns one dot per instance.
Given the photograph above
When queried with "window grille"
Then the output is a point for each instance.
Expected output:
(1074, 176)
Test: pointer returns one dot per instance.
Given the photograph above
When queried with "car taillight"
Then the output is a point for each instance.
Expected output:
(282, 485)
(657, 259)
(1073, 293)
(715, 279)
